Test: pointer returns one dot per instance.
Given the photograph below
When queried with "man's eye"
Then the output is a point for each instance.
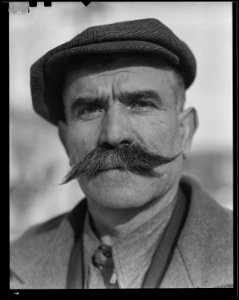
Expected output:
(89, 111)
(142, 104)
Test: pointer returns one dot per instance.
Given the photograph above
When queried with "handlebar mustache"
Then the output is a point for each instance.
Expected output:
(127, 157)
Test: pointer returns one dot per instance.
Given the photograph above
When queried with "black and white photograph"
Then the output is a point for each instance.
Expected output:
(121, 145)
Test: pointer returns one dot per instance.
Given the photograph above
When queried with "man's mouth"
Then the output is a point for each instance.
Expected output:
(111, 169)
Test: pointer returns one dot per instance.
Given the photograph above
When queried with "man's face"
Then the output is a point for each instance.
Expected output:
(130, 101)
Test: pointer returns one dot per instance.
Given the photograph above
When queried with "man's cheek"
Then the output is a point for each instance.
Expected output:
(168, 138)
(80, 147)
(160, 142)
(77, 150)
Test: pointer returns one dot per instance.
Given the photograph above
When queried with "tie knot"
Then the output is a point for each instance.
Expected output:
(103, 257)
(106, 250)
(103, 260)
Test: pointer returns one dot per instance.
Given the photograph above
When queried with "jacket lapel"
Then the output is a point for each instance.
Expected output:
(203, 256)
(166, 246)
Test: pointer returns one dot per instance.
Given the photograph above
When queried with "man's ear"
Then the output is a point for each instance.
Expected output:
(188, 126)
(62, 132)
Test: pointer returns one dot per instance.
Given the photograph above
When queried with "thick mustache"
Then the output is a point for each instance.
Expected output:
(131, 157)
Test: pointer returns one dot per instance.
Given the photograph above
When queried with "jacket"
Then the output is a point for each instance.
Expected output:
(202, 258)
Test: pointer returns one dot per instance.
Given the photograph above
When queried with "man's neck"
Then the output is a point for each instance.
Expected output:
(111, 225)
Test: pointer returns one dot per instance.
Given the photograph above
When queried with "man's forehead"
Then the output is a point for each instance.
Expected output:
(118, 82)
(123, 67)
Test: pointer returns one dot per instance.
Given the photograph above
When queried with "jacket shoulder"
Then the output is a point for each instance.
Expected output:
(38, 259)
(34, 242)
(206, 243)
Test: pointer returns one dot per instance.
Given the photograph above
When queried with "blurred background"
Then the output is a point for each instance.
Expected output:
(37, 159)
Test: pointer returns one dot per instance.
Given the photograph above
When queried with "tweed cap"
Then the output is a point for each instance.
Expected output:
(145, 36)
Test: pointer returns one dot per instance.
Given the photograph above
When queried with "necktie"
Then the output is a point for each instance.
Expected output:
(102, 259)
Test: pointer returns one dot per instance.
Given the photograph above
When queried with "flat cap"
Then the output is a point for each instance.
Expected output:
(145, 36)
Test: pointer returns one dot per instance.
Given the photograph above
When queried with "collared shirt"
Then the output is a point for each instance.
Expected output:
(131, 255)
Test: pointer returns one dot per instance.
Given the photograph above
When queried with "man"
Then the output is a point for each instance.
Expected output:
(117, 93)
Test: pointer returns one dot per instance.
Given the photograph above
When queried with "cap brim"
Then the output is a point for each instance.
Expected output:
(56, 64)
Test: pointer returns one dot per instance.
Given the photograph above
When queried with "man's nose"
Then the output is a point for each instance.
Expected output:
(115, 126)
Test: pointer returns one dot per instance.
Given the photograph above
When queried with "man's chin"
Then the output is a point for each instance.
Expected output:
(116, 199)
(117, 189)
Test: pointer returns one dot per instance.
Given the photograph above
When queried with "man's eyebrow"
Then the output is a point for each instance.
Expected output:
(123, 97)
(140, 95)
(81, 101)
